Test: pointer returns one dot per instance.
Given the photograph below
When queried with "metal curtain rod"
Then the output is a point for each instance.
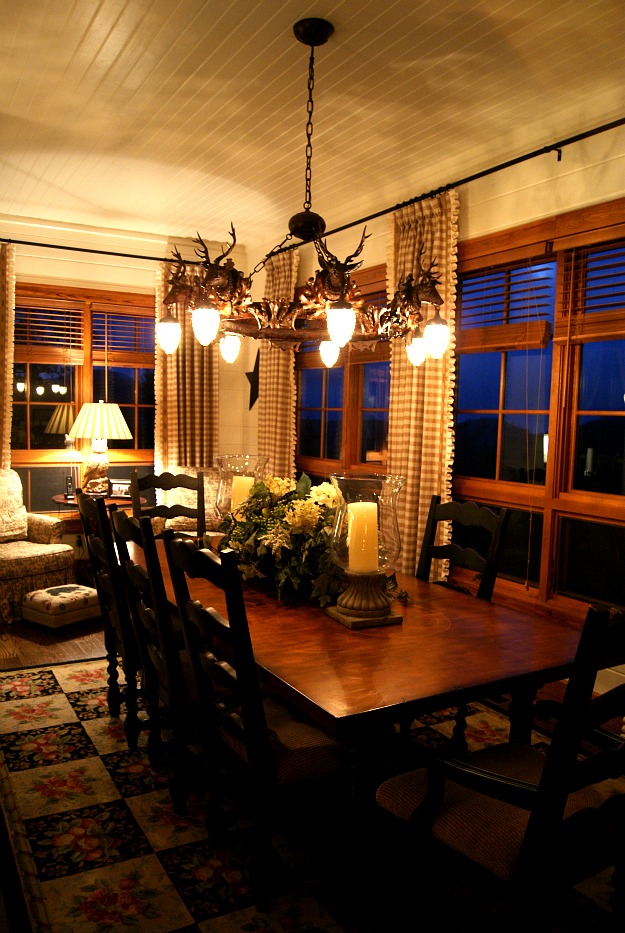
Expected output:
(554, 147)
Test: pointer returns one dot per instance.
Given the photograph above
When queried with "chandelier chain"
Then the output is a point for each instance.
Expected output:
(272, 252)
(310, 106)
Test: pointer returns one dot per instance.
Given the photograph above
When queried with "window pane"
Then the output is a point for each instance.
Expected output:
(19, 436)
(522, 449)
(476, 446)
(129, 416)
(334, 434)
(520, 558)
(528, 379)
(19, 379)
(145, 430)
(334, 387)
(483, 299)
(311, 388)
(602, 382)
(590, 557)
(145, 379)
(478, 380)
(121, 384)
(39, 417)
(599, 450)
(309, 434)
(521, 293)
(374, 431)
(376, 385)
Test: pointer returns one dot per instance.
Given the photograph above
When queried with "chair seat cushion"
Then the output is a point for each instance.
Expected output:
(471, 823)
(61, 605)
(18, 558)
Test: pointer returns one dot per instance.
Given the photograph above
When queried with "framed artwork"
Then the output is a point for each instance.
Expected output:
(120, 489)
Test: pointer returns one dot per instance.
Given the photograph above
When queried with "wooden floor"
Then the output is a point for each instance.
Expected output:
(25, 644)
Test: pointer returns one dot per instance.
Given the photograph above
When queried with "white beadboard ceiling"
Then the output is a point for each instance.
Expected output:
(176, 116)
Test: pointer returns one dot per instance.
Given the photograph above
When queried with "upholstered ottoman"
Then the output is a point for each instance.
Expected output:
(61, 605)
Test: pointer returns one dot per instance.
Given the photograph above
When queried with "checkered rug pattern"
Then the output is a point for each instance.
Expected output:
(99, 847)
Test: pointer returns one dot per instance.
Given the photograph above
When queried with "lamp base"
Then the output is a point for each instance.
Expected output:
(364, 603)
(95, 481)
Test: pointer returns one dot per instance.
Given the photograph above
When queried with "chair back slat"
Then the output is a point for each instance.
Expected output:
(167, 482)
(468, 515)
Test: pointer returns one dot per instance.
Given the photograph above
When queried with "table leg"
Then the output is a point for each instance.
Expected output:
(521, 713)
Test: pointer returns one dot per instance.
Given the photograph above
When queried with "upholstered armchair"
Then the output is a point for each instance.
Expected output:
(32, 555)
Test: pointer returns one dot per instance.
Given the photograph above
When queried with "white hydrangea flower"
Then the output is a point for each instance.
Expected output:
(323, 494)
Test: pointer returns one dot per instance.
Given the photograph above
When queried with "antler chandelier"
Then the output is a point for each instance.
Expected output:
(329, 308)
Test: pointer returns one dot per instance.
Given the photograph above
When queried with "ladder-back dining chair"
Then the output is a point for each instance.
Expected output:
(155, 622)
(119, 635)
(274, 745)
(538, 820)
(481, 553)
(484, 531)
(187, 516)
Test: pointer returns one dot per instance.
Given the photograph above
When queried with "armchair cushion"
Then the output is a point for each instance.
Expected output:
(45, 529)
(13, 516)
(32, 555)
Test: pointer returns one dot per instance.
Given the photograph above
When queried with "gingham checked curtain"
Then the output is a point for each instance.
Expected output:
(7, 342)
(186, 386)
(421, 439)
(276, 383)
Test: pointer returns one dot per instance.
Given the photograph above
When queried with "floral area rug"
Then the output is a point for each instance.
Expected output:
(97, 843)
(99, 848)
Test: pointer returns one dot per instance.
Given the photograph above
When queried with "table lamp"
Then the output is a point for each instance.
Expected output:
(99, 421)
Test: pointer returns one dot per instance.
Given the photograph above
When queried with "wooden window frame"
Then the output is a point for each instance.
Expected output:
(371, 283)
(546, 239)
(88, 301)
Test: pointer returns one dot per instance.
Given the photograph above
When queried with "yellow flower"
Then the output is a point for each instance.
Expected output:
(279, 486)
(303, 516)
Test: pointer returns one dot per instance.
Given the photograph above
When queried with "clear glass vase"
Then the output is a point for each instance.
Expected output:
(237, 475)
(365, 537)
(366, 543)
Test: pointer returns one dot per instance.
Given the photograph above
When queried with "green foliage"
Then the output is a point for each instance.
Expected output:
(281, 533)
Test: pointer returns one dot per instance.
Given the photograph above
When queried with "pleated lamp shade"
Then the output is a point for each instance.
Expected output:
(61, 420)
(100, 420)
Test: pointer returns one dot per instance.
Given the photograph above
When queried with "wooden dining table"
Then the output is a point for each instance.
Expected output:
(449, 648)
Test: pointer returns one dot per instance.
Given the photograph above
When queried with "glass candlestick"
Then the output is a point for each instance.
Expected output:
(366, 544)
(237, 475)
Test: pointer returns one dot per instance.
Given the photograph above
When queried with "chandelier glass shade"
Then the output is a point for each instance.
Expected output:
(329, 307)
(205, 323)
(168, 333)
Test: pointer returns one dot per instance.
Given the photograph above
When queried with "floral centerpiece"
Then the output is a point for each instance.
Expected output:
(281, 532)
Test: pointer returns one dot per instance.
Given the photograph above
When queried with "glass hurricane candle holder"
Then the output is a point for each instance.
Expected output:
(366, 543)
(237, 475)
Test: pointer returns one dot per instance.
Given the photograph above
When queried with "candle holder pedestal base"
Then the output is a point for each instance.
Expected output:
(364, 603)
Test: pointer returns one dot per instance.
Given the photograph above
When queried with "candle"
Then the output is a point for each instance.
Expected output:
(362, 537)
(241, 486)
